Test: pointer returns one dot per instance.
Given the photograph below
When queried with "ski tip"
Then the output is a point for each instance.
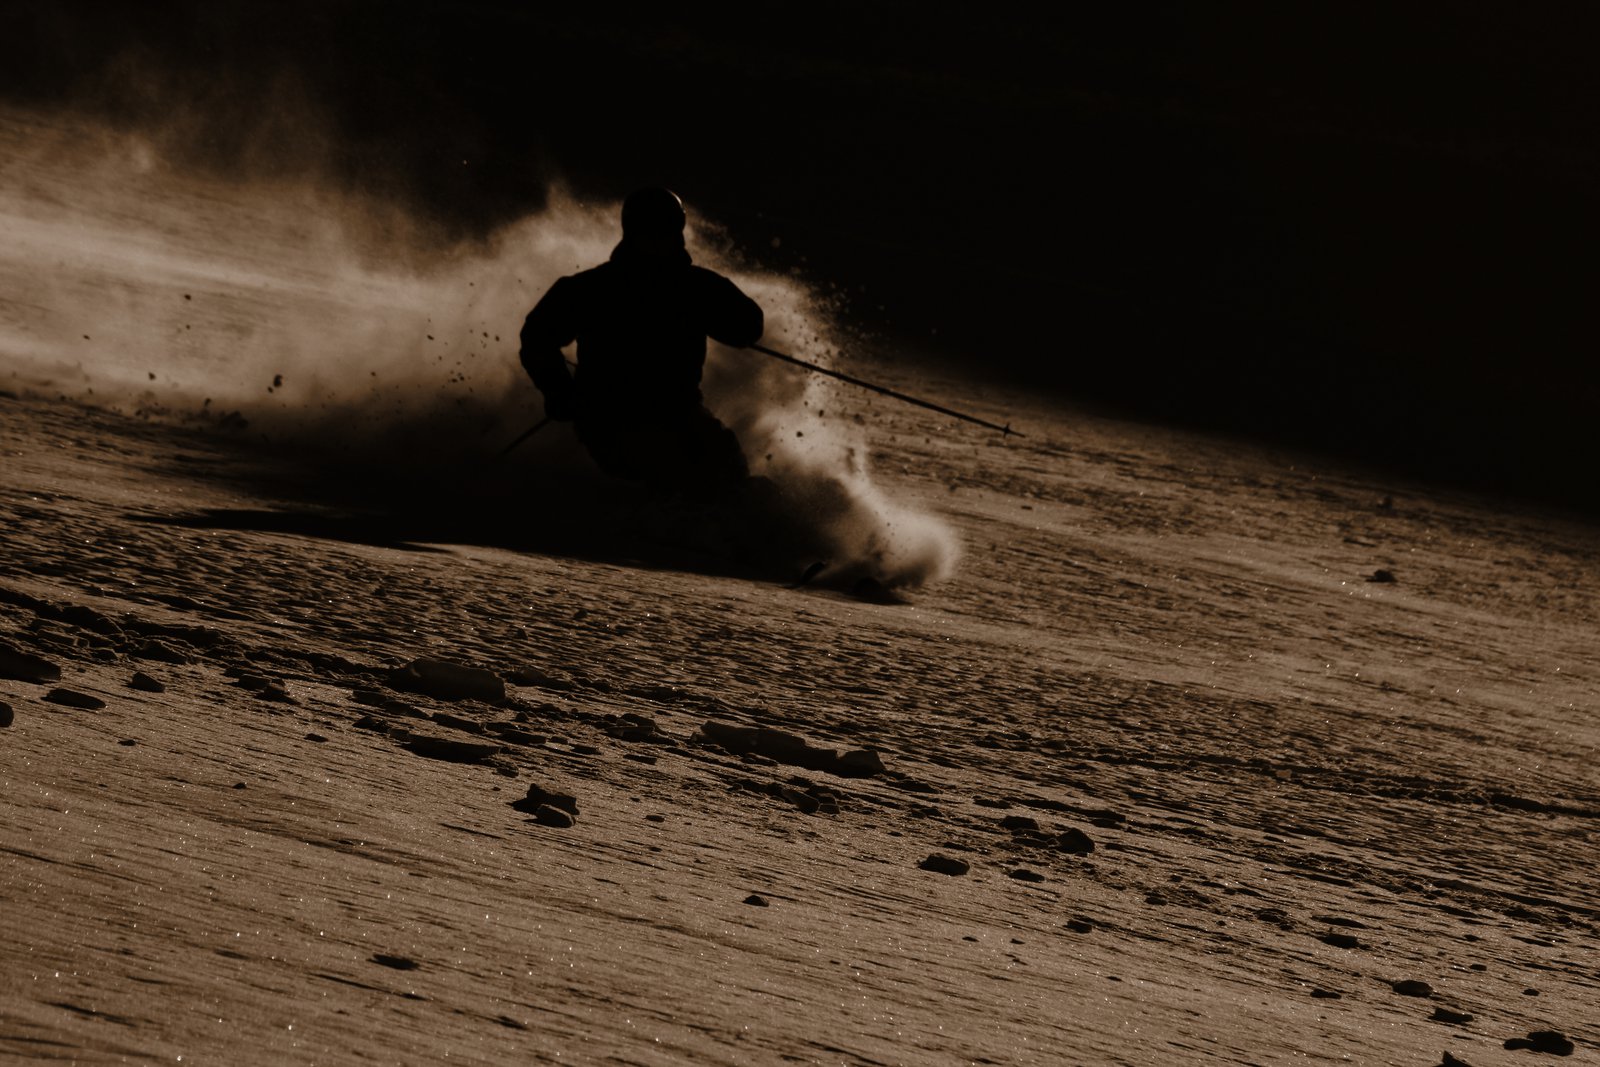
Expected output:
(810, 572)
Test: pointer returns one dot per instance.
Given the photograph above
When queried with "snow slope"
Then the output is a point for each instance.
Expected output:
(1302, 785)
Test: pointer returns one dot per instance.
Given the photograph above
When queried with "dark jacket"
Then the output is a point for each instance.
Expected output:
(641, 323)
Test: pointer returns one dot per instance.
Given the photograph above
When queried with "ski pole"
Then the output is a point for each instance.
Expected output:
(529, 432)
(930, 405)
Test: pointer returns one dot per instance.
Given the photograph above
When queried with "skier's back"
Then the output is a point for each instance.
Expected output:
(641, 322)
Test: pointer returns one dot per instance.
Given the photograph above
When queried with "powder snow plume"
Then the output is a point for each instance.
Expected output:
(344, 330)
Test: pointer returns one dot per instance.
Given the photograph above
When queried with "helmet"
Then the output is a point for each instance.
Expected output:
(652, 212)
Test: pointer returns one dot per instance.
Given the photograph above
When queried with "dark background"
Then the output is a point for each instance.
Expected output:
(1369, 228)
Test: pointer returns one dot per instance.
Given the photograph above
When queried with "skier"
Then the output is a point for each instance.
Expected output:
(641, 321)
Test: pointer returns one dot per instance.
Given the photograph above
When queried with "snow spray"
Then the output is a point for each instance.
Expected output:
(342, 328)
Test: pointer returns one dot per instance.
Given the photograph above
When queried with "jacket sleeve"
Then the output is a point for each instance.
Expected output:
(550, 327)
(731, 317)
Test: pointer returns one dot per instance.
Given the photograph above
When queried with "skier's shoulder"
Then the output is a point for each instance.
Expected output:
(588, 279)
(580, 286)
(706, 276)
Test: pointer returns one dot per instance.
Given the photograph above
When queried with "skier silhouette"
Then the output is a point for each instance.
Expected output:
(641, 322)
